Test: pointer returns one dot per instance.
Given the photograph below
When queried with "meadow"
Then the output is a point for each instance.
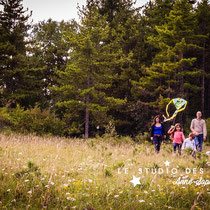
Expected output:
(62, 173)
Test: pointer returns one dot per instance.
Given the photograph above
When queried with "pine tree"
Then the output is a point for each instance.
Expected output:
(82, 90)
(203, 16)
(172, 71)
(13, 51)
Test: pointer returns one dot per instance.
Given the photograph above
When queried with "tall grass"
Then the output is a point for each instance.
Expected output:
(58, 173)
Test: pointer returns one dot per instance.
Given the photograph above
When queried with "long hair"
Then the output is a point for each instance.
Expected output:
(174, 129)
(154, 120)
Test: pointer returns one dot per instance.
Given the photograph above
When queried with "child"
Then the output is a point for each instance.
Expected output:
(190, 143)
(177, 136)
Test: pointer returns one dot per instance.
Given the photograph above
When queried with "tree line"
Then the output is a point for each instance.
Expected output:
(118, 64)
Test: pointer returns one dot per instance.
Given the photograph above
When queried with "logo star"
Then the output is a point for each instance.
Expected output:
(135, 181)
(167, 163)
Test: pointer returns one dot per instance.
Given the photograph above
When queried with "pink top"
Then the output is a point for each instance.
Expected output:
(178, 137)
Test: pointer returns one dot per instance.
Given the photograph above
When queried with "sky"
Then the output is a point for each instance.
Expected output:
(58, 9)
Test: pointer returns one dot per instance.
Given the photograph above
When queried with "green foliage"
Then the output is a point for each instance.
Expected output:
(108, 172)
(31, 121)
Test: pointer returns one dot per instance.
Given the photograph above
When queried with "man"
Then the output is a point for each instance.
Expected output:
(198, 127)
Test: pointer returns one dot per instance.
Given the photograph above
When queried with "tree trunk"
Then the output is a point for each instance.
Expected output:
(203, 79)
(87, 114)
(181, 78)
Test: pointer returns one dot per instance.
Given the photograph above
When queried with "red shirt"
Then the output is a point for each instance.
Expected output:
(178, 137)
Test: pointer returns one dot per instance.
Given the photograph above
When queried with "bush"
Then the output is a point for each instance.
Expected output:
(31, 121)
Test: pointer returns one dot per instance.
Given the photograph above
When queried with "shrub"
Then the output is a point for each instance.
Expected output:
(31, 121)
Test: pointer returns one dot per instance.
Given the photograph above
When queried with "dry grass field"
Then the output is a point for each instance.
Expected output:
(61, 173)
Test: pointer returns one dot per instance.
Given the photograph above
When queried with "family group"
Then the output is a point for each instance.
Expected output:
(195, 138)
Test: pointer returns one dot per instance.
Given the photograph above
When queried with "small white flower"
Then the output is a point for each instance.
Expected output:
(13, 201)
(70, 198)
(169, 207)
(20, 153)
(8, 190)
(42, 179)
(145, 192)
(27, 180)
(30, 192)
(37, 186)
(3, 169)
(116, 196)
(63, 176)
(69, 180)
(90, 181)
(47, 186)
(52, 183)
(67, 193)
(153, 190)
(65, 185)
(18, 159)
(141, 201)
(74, 207)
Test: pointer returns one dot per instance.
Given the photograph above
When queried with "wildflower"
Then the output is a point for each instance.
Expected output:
(27, 180)
(42, 179)
(153, 190)
(67, 193)
(8, 190)
(141, 201)
(74, 207)
(52, 183)
(65, 185)
(145, 192)
(169, 207)
(3, 169)
(47, 186)
(116, 196)
(70, 198)
(20, 153)
(30, 192)
(90, 181)
(13, 201)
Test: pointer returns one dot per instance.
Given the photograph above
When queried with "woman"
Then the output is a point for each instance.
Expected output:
(157, 133)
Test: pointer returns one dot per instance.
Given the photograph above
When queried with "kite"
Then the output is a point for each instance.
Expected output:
(180, 105)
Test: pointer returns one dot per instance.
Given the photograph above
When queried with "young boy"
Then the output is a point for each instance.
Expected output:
(190, 143)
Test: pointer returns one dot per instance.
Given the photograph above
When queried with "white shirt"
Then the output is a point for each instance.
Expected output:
(189, 144)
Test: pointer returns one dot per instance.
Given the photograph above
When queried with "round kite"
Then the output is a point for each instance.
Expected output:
(179, 103)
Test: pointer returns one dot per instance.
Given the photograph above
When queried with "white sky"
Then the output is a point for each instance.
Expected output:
(58, 9)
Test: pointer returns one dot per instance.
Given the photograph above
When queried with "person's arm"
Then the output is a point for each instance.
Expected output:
(183, 138)
(192, 126)
(194, 146)
(204, 131)
(151, 133)
(184, 145)
(171, 130)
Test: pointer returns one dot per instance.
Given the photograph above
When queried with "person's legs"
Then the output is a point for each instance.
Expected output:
(157, 141)
(175, 145)
(196, 142)
(200, 142)
(194, 154)
(155, 138)
(179, 148)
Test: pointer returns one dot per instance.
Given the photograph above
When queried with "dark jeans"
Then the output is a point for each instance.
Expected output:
(179, 148)
(199, 142)
(157, 142)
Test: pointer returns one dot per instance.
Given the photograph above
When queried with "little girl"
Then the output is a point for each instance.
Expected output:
(177, 136)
